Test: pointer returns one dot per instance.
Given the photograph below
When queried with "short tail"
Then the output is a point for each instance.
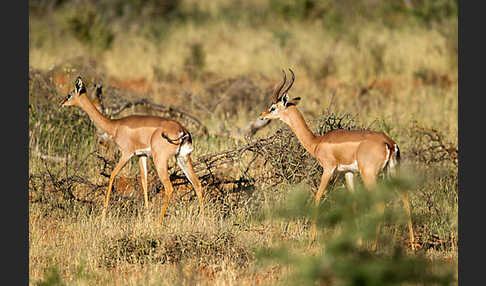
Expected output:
(393, 160)
(185, 137)
(397, 154)
(184, 143)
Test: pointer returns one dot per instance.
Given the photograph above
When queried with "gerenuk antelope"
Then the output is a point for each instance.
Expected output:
(142, 136)
(349, 151)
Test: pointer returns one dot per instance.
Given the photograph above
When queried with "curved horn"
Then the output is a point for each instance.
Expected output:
(291, 82)
(277, 90)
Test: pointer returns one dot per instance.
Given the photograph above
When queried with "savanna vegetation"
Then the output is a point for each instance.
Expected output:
(390, 66)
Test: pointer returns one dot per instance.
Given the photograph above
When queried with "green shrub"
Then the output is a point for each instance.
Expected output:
(196, 60)
(347, 223)
(52, 278)
(89, 27)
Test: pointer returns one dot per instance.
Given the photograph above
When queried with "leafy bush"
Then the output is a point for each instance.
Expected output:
(89, 27)
(52, 278)
(196, 60)
(347, 222)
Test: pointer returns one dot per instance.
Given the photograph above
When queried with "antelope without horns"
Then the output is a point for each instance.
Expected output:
(142, 136)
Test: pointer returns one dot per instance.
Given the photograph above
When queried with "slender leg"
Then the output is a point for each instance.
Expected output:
(349, 181)
(369, 181)
(326, 175)
(143, 176)
(393, 173)
(185, 164)
(380, 208)
(161, 164)
(349, 176)
(123, 160)
(406, 205)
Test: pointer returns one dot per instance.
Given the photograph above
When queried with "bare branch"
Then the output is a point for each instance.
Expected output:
(365, 89)
(250, 129)
(432, 147)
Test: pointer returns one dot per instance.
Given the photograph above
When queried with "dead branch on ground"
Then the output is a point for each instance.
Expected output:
(430, 146)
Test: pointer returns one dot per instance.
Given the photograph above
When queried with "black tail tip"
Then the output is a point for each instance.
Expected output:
(186, 137)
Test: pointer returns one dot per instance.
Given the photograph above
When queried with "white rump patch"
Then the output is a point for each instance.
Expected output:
(146, 151)
(182, 162)
(182, 159)
(393, 160)
(387, 156)
(185, 149)
(346, 168)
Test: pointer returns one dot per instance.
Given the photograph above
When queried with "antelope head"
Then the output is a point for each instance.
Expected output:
(280, 99)
(73, 96)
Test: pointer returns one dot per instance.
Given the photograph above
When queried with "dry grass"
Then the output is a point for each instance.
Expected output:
(229, 52)
(134, 249)
(414, 87)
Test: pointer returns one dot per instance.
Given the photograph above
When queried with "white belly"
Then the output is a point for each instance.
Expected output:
(146, 151)
(348, 168)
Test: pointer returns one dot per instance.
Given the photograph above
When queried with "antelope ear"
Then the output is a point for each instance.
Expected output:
(293, 101)
(99, 89)
(79, 85)
(285, 99)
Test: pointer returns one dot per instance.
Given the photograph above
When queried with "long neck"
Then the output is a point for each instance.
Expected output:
(296, 121)
(98, 119)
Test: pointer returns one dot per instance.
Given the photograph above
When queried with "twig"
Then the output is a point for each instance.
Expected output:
(371, 124)
(364, 90)
(251, 128)
(331, 102)
(199, 104)
(56, 159)
(436, 149)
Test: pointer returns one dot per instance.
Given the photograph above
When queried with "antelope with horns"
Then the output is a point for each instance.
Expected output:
(349, 151)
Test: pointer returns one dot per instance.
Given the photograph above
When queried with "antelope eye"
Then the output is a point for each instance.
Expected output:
(272, 109)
